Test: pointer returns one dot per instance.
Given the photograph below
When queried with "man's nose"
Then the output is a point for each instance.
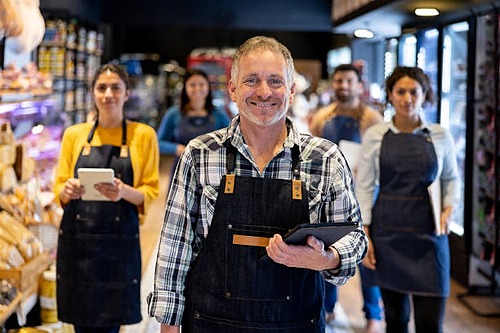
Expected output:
(264, 91)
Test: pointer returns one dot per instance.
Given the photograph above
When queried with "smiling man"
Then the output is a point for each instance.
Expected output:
(234, 193)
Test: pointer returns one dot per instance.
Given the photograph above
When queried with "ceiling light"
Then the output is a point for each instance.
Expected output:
(426, 12)
(363, 33)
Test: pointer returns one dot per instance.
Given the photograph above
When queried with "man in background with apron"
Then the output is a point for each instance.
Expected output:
(222, 264)
(347, 119)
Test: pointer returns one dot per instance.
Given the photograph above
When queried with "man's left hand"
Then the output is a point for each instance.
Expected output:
(311, 255)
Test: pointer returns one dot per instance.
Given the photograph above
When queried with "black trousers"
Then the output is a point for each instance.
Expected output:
(429, 312)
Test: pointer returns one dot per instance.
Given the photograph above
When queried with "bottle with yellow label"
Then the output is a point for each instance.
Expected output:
(47, 294)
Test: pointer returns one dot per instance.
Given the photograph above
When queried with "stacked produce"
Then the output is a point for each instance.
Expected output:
(18, 244)
(25, 79)
(8, 178)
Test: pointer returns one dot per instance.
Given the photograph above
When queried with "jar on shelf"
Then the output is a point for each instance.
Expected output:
(47, 294)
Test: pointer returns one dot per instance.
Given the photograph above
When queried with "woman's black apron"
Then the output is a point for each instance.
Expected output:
(99, 256)
(189, 128)
(232, 286)
(410, 257)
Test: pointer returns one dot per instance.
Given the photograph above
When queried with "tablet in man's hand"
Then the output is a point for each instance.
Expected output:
(328, 233)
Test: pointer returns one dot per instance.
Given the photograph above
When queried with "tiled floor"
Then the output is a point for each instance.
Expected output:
(459, 319)
(349, 316)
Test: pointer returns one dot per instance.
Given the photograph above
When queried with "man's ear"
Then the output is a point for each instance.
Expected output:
(292, 93)
(231, 88)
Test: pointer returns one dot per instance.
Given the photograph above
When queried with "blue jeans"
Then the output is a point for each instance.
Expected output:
(371, 300)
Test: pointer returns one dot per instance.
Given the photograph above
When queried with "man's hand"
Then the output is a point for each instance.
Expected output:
(169, 329)
(312, 255)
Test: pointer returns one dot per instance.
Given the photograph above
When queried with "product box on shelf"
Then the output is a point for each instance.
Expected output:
(26, 277)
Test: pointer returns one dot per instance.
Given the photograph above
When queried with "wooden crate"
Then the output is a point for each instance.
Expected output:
(9, 309)
(27, 276)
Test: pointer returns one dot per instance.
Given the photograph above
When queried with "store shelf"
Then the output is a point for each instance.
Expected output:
(7, 311)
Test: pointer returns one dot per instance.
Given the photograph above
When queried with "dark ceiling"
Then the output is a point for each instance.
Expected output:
(279, 15)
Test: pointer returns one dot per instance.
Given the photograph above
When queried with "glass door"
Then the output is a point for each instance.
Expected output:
(427, 60)
(454, 100)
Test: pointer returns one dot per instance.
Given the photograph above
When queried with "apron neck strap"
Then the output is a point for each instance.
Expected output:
(124, 132)
(296, 162)
(231, 152)
(231, 159)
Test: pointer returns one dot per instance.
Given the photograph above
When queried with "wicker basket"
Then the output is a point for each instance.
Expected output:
(47, 233)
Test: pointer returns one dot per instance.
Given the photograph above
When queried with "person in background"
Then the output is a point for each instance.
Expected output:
(408, 185)
(230, 200)
(347, 119)
(196, 115)
(98, 256)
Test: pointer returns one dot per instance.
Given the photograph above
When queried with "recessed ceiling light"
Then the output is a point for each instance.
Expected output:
(363, 33)
(426, 12)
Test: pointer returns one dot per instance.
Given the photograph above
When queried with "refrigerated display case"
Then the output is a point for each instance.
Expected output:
(390, 56)
(407, 50)
(484, 230)
(427, 60)
(454, 101)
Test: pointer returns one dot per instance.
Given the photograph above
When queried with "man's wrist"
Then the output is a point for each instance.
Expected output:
(335, 259)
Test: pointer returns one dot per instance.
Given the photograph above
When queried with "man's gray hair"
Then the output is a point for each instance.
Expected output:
(263, 43)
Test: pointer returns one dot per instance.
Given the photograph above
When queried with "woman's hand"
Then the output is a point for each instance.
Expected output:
(72, 190)
(118, 190)
(445, 221)
(113, 191)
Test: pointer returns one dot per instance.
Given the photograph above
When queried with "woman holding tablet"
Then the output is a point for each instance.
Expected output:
(98, 257)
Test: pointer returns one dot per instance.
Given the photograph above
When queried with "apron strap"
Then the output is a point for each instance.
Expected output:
(124, 147)
(296, 182)
(230, 165)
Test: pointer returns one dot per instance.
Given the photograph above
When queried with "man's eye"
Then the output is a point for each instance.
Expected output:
(250, 81)
(276, 83)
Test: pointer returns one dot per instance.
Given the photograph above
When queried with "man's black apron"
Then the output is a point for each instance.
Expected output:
(347, 128)
(232, 287)
(410, 257)
(340, 127)
(98, 256)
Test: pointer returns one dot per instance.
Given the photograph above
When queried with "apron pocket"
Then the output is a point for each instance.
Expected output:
(207, 324)
(247, 275)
